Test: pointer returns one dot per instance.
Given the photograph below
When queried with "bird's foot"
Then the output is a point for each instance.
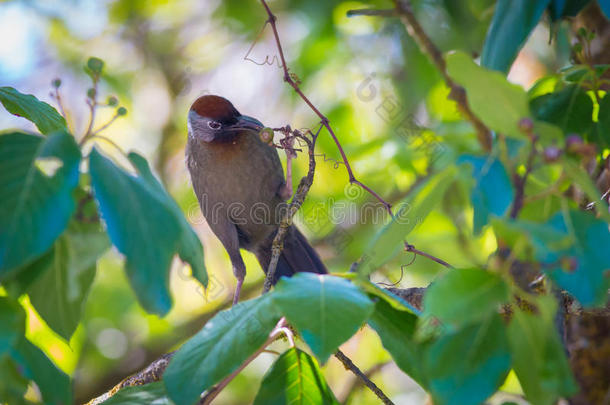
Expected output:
(240, 282)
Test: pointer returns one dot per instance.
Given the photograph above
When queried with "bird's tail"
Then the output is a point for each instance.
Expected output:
(297, 256)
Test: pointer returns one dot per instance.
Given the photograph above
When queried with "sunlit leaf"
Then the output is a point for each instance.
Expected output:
(218, 349)
(34, 208)
(294, 379)
(60, 292)
(46, 118)
(326, 310)
(487, 90)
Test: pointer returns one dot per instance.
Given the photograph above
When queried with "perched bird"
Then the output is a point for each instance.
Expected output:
(239, 182)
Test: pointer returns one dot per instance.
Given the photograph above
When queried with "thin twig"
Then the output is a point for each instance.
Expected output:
(458, 94)
(357, 382)
(411, 248)
(92, 103)
(214, 391)
(290, 79)
(295, 204)
(349, 365)
(521, 180)
(386, 12)
(106, 125)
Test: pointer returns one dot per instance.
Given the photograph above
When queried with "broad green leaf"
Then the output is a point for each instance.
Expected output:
(487, 90)
(512, 23)
(571, 109)
(223, 344)
(539, 359)
(46, 118)
(326, 310)
(35, 206)
(396, 330)
(189, 247)
(467, 366)
(144, 225)
(53, 383)
(413, 211)
(12, 319)
(148, 394)
(463, 296)
(294, 379)
(60, 292)
(493, 191)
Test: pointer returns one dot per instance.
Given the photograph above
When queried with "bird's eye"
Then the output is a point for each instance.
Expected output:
(214, 125)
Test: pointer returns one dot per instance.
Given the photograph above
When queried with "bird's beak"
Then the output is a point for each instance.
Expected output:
(247, 123)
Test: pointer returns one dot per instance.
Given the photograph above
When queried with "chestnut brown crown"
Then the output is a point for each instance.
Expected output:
(216, 108)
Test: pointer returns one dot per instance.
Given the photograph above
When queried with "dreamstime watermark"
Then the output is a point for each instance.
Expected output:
(402, 123)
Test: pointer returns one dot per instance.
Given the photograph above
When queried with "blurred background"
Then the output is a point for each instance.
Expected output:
(384, 99)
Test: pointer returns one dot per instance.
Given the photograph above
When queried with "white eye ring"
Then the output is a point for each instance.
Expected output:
(215, 125)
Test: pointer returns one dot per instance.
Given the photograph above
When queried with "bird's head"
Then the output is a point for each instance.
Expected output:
(213, 118)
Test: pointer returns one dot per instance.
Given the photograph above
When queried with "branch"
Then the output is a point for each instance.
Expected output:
(458, 94)
(349, 365)
(295, 204)
(386, 12)
(357, 382)
(288, 78)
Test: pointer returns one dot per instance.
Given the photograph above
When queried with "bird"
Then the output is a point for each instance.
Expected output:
(240, 185)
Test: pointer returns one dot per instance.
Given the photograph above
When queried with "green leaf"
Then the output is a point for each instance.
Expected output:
(467, 366)
(413, 211)
(148, 394)
(539, 359)
(12, 319)
(493, 192)
(567, 8)
(463, 296)
(512, 23)
(396, 330)
(294, 379)
(144, 224)
(223, 344)
(487, 90)
(46, 118)
(60, 292)
(571, 109)
(326, 310)
(35, 206)
(189, 247)
(53, 383)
